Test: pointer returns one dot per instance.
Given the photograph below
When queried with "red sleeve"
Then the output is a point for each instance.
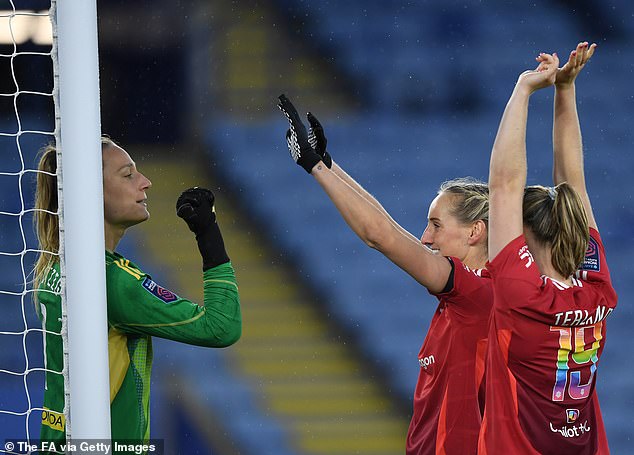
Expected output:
(517, 280)
(472, 294)
(595, 266)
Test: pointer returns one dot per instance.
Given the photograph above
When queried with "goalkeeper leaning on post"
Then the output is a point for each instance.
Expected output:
(138, 307)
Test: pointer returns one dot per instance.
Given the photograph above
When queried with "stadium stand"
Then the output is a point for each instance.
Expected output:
(429, 80)
(432, 87)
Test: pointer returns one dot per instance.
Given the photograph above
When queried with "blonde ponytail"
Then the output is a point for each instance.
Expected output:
(557, 218)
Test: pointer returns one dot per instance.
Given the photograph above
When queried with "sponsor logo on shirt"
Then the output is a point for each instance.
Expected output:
(526, 255)
(572, 415)
(425, 362)
(592, 261)
(53, 419)
(158, 291)
(571, 431)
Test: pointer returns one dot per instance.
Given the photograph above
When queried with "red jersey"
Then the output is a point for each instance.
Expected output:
(545, 341)
(446, 418)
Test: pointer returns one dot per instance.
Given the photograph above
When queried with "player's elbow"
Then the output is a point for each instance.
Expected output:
(220, 331)
(235, 334)
(230, 334)
(504, 175)
(506, 182)
(228, 341)
(377, 234)
(221, 338)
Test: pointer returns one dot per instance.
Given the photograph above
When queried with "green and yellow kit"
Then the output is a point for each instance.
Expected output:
(138, 309)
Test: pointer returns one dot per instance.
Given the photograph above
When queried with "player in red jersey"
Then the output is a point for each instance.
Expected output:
(449, 261)
(551, 284)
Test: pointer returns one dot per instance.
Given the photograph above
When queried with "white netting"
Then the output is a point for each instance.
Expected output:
(26, 124)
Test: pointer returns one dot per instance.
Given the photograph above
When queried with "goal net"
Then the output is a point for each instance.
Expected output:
(27, 123)
(49, 95)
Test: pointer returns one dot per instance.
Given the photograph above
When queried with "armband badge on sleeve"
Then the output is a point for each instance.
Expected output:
(592, 260)
(158, 291)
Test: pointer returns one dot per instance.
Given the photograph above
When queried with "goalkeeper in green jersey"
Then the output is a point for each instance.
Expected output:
(138, 307)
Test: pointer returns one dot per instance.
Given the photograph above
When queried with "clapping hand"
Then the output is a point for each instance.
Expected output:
(542, 76)
(307, 147)
(567, 74)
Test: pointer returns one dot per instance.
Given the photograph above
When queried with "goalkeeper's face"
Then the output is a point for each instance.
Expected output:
(444, 232)
(125, 200)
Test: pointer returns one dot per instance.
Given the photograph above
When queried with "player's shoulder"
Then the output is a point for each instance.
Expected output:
(592, 260)
(471, 272)
(471, 282)
(52, 278)
(116, 263)
(514, 254)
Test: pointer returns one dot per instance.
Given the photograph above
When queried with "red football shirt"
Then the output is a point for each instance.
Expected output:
(446, 417)
(544, 345)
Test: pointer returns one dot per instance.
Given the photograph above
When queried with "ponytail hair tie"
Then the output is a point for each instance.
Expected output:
(552, 193)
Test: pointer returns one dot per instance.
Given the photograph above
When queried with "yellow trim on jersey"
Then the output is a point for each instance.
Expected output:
(168, 324)
(222, 281)
(124, 264)
(54, 420)
(118, 360)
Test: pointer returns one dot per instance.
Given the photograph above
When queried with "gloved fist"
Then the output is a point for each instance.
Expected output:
(307, 148)
(196, 207)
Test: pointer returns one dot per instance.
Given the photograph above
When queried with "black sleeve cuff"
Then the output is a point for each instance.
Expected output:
(449, 286)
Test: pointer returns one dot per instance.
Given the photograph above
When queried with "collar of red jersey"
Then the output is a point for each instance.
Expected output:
(560, 284)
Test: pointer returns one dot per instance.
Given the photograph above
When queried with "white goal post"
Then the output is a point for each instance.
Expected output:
(71, 89)
(78, 132)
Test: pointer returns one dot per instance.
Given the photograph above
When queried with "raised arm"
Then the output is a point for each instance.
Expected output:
(567, 144)
(159, 312)
(507, 169)
(362, 212)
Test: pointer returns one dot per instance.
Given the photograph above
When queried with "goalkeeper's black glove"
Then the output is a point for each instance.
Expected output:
(196, 207)
(307, 148)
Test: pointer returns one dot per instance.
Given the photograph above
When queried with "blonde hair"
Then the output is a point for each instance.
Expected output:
(557, 219)
(46, 218)
(472, 199)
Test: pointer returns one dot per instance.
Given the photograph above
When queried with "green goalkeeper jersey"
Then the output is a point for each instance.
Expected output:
(138, 308)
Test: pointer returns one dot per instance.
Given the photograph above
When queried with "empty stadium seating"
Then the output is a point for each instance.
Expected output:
(433, 79)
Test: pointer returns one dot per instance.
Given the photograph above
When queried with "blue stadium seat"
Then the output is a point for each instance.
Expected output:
(418, 129)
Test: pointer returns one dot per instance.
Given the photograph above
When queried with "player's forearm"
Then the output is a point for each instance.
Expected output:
(343, 175)
(568, 147)
(369, 221)
(507, 168)
(507, 173)
(378, 230)
(567, 142)
(223, 319)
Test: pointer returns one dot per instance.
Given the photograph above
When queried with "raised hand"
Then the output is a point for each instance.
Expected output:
(317, 139)
(578, 58)
(196, 207)
(297, 137)
(542, 76)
